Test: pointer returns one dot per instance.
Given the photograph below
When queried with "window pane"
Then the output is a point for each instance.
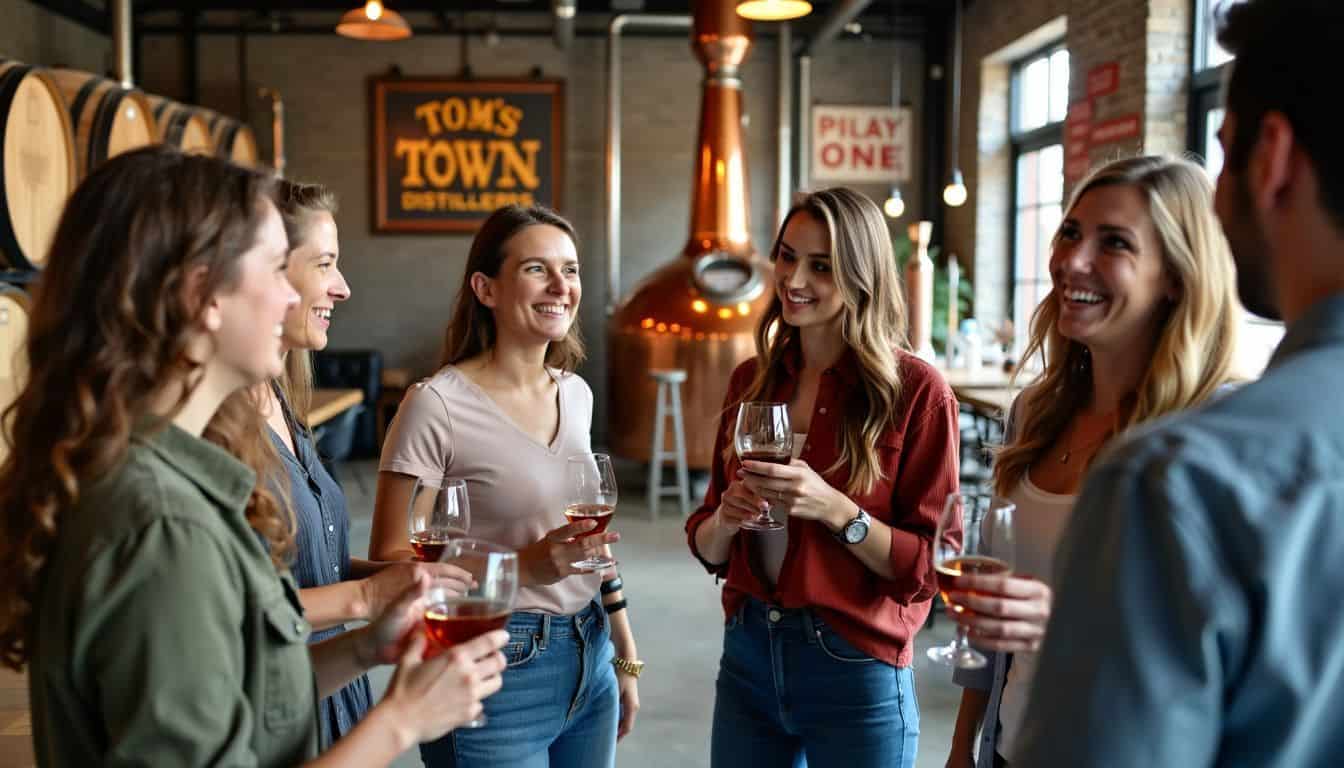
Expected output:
(1051, 174)
(1027, 244)
(1213, 150)
(1048, 222)
(1034, 107)
(1059, 85)
(1028, 179)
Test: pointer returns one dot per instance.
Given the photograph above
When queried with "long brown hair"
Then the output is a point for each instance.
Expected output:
(472, 329)
(1196, 346)
(873, 324)
(298, 203)
(109, 330)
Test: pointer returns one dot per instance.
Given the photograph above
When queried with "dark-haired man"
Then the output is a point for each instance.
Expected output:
(1196, 621)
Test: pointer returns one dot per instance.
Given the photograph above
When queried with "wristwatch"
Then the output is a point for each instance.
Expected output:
(855, 530)
(631, 667)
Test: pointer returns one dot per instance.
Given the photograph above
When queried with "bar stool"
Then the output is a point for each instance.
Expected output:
(669, 404)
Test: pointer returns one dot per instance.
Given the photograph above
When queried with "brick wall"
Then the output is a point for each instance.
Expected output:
(404, 285)
(1148, 39)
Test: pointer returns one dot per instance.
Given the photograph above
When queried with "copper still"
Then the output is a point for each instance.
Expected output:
(699, 311)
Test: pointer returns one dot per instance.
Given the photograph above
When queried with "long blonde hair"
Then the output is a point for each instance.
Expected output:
(1195, 347)
(872, 325)
(298, 203)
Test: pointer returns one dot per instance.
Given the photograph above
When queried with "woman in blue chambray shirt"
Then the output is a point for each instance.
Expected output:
(1141, 322)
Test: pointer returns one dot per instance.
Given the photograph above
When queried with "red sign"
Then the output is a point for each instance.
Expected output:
(1077, 136)
(1103, 79)
(1119, 129)
(1075, 168)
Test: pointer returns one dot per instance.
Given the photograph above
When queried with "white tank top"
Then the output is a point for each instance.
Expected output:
(771, 545)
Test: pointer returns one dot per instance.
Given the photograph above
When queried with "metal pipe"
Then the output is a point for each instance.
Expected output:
(784, 110)
(843, 13)
(614, 31)
(564, 11)
(804, 122)
(277, 128)
(121, 43)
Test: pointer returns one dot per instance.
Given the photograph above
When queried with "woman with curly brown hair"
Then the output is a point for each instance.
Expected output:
(145, 587)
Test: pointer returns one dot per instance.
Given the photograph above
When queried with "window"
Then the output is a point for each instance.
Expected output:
(1040, 99)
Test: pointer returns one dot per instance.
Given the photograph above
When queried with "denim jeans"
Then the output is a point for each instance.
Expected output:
(792, 693)
(559, 704)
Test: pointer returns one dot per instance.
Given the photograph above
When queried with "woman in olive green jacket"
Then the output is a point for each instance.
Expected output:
(144, 581)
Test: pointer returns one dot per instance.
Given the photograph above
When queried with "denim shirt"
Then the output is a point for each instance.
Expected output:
(1195, 621)
(322, 557)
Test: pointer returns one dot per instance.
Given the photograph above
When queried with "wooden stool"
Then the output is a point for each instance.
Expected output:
(669, 404)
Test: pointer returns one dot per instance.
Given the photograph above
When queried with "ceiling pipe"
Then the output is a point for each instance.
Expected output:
(784, 125)
(831, 26)
(122, 67)
(614, 31)
(564, 11)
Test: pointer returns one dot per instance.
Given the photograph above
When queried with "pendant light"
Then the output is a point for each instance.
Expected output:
(954, 194)
(373, 22)
(773, 10)
(894, 206)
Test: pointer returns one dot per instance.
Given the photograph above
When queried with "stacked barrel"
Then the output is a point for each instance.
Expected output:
(57, 126)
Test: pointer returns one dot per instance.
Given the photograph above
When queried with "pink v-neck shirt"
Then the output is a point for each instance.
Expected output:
(447, 425)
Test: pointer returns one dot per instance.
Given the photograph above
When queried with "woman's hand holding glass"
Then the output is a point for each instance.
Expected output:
(380, 590)
(552, 559)
(738, 504)
(798, 490)
(974, 537)
(1002, 612)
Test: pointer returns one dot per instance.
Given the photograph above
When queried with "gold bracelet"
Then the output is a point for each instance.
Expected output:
(631, 667)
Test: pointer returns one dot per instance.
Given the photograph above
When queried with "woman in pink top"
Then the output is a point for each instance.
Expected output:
(504, 413)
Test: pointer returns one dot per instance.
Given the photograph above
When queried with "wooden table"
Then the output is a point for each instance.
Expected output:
(989, 389)
(329, 403)
(16, 740)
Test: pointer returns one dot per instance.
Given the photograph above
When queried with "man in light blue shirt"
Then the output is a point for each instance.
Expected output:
(1197, 621)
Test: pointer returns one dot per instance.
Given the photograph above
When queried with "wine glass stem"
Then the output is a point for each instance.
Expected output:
(963, 641)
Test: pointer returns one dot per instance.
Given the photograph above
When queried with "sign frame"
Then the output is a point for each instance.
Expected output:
(385, 222)
(903, 137)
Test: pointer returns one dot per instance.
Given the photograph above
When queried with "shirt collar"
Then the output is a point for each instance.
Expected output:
(1321, 324)
(221, 477)
(845, 369)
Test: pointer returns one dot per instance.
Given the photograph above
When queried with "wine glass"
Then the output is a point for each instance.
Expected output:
(452, 616)
(592, 496)
(439, 512)
(763, 434)
(975, 536)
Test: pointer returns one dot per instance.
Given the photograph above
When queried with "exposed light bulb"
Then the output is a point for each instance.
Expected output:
(894, 207)
(373, 10)
(954, 194)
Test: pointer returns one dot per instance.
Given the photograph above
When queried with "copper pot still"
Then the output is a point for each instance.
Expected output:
(699, 311)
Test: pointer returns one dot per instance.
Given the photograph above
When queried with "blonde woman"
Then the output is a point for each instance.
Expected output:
(1141, 322)
(821, 616)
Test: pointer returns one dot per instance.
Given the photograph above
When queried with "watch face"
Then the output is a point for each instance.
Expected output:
(856, 531)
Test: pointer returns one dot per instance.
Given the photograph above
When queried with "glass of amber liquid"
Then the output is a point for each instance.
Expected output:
(453, 617)
(439, 512)
(974, 536)
(592, 496)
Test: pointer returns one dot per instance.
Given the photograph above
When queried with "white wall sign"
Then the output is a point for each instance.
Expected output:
(860, 144)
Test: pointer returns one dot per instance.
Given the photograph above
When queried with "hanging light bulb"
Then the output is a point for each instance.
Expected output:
(954, 194)
(374, 21)
(773, 10)
(894, 207)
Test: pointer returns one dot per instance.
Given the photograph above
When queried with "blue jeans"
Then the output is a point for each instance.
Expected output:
(558, 707)
(792, 693)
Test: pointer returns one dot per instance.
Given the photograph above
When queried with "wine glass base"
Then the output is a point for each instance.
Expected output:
(595, 563)
(768, 524)
(954, 656)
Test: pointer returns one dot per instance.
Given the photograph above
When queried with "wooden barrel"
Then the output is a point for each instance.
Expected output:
(14, 306)
(181, 126)
(233, 140)
(108, 119)
(38, 165)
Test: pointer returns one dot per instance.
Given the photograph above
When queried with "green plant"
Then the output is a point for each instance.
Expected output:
(903, 247)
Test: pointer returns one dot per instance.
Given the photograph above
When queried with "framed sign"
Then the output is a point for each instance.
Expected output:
(446, 153)
(858, 144)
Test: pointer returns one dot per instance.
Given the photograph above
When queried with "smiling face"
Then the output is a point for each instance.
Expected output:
(314, 273)
(248, 318)
(804, 280)
(535, 296)
(1108, 271)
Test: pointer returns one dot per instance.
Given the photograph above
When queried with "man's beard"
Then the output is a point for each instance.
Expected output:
(1250, 252)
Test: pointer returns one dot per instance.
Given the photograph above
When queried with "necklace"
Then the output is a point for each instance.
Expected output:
(1069, 447)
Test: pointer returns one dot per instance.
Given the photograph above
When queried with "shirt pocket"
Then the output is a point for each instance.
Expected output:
(288, 686)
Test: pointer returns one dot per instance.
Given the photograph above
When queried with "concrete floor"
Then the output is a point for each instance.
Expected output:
(678, 626)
